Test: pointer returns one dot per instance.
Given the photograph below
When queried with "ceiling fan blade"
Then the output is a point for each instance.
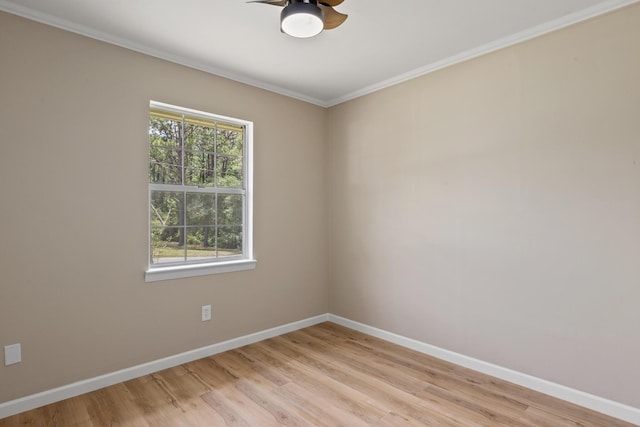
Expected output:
(332, 18)
(271, 2)
(331, 3)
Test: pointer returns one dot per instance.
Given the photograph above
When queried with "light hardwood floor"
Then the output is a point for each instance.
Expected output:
(325, 375)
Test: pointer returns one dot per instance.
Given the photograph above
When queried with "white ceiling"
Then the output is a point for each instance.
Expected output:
(383, 42)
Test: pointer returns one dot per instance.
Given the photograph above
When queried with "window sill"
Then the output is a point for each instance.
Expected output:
(178, 272)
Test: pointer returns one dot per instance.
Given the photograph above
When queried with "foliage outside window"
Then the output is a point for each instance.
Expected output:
(199, 188)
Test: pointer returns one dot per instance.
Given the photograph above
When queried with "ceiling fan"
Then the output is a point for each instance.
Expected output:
(307, 18)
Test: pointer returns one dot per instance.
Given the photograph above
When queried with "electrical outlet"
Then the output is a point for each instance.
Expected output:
(206, 313)
(12, 354)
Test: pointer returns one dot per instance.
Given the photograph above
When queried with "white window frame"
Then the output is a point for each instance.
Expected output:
(246, 261)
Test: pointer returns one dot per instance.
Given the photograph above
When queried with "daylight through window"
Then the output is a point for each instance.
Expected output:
(199, 187)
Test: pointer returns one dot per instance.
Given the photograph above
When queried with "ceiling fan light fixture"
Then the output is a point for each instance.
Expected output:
(302, 19)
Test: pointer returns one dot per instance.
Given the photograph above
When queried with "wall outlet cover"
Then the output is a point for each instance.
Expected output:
(12, 354)
(206, 312)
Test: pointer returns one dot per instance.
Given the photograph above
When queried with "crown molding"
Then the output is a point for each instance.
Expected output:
(45, 18)
(565, 21)
(522, 36)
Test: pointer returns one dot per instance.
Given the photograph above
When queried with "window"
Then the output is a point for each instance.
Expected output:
(200, 216)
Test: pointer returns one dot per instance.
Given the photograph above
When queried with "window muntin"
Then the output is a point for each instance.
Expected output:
(199, 188)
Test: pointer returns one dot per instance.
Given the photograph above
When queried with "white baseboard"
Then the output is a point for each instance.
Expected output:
(598, 404)
(13, 407)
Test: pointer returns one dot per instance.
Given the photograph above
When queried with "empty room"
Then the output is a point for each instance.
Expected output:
(320, 213)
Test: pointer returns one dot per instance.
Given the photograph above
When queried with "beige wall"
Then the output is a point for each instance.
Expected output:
(493, 208)
(73, 216)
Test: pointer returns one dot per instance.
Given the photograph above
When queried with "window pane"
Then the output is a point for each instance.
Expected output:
(230, 171)
(199, 177)
(230, 140)
(164, 132)
(201, 209)
(199, 137)
(165, 245)
(167, 208)
(230, 209)
(201, 243)
(165, 143)
(199, 156)
(229, 241)
(164, 166)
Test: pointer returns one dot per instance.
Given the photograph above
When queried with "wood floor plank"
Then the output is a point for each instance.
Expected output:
(406, 378)
(259, 388)
(324, 389)
(378, 368)
(187, 390)
(328, 411)
(396, 420)
(112, 406)
(325, 375)
(396, 375)
(229, 414)
(371, 386)
(157, 407)
(237, 408)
